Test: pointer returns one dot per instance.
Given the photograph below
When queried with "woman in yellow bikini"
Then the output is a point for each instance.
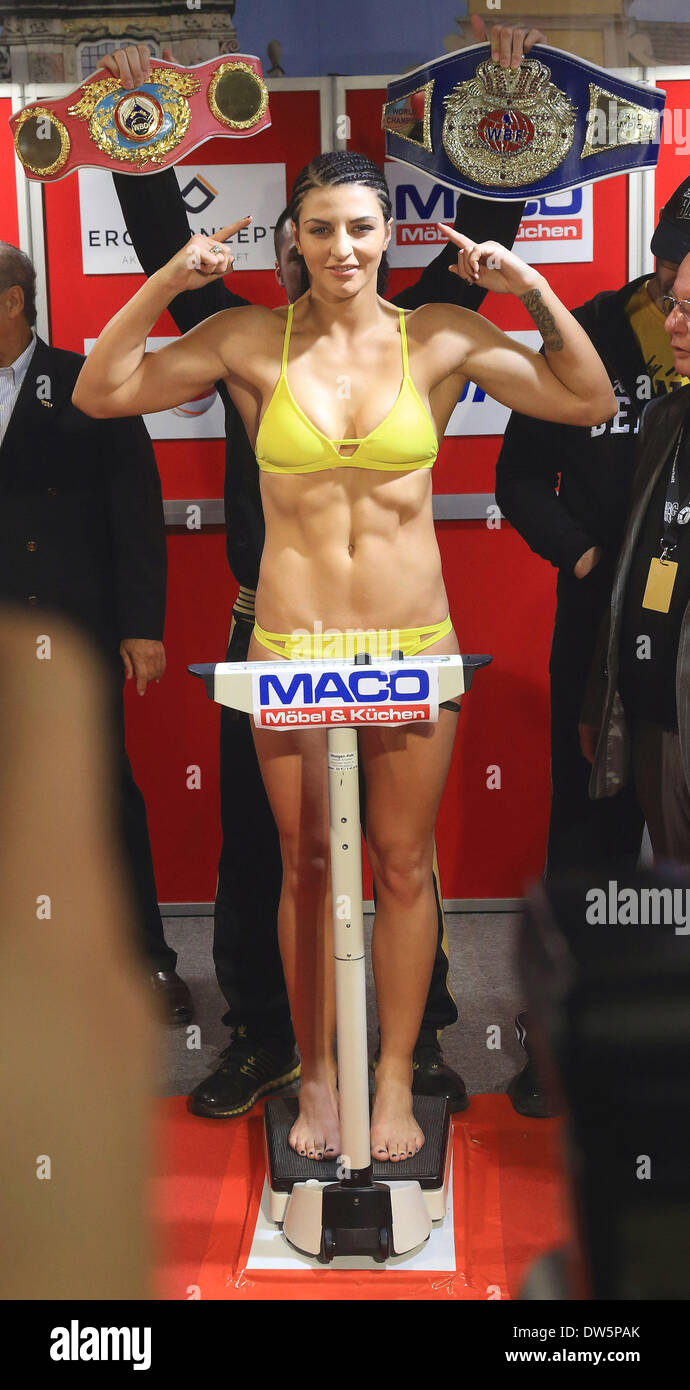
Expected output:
(350, 552)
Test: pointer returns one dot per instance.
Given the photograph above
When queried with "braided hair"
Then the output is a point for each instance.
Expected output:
(338, 167)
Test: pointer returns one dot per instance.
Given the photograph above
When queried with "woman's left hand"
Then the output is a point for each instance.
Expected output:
(489, 265)
(509, 42)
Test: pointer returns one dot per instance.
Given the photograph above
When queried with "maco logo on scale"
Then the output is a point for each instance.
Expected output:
(341, 695)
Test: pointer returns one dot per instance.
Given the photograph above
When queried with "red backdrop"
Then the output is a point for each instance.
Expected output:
(9, 230)
(674, 165)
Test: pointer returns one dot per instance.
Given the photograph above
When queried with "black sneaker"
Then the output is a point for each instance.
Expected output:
(433, 1077)
(528, 1096)
(247, 1071)
(526, 1092)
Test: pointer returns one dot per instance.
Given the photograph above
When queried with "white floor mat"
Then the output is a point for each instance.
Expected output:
(270, 1250)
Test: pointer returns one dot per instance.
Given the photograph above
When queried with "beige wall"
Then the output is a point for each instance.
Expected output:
(586, 43)
(592, 29)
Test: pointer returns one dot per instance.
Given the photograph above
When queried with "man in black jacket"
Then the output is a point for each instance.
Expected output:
(82, 532)
(638, 696)
(261, 1055)
(579, 528)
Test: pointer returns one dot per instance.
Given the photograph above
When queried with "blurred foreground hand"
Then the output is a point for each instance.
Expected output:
(76, 1038)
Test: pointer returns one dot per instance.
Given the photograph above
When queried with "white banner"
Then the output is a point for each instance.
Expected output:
(557, 228)
(213, 195)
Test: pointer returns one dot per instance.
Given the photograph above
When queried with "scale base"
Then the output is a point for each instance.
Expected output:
(291, 1177)
(379, 1220)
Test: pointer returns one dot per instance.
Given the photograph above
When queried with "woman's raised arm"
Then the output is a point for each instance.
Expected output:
(119, 377)
(568, 383)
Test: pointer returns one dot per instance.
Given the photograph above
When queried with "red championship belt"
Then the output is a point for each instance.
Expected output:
(141, 130)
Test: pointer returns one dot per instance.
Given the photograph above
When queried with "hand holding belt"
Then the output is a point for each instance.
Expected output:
(554, 122)
(100, 124)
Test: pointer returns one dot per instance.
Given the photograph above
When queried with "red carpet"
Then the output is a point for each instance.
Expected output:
(510, 1202)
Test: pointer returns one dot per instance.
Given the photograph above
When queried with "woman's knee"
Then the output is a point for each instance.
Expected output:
(400, 868)
(305, 858)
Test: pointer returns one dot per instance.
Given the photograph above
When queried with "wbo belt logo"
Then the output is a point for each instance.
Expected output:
(344, 695)
(138, 117)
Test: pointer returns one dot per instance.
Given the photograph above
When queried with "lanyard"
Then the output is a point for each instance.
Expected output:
(675, 515)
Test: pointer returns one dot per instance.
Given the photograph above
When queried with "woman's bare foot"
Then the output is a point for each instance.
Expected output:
(395, 1133)
(316, 1131)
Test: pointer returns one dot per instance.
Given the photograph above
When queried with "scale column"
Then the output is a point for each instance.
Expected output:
(348, 937)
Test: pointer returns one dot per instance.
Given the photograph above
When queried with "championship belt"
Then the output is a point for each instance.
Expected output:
(145, 129)
(554, 122)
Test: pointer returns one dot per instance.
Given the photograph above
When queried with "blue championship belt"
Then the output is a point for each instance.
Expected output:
(554, 122)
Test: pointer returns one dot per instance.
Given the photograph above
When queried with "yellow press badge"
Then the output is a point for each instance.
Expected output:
(659, 587)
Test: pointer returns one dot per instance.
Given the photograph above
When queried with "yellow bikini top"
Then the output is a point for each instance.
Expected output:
(288, 441)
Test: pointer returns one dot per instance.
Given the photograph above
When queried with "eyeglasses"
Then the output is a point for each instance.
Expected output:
(669, 303)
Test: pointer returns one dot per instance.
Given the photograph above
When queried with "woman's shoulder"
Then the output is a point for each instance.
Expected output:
(437, 317)
(253, 314)
(256, 322)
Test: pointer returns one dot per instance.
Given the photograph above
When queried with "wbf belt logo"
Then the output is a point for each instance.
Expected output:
(345, 695)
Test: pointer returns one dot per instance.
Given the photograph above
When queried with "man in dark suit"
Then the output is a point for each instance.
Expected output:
(82, 532)
(261, 1055)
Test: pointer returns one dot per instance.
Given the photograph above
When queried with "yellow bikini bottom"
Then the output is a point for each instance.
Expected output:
(337, 645)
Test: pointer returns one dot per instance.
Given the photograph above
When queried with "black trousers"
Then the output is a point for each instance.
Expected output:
(662, 790)
(133, 822)
(582, 833)
(245, 941)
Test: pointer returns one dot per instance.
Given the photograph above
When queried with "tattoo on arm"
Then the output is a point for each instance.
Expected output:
(544, 320)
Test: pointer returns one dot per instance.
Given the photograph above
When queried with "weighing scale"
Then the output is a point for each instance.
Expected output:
(353, 1205)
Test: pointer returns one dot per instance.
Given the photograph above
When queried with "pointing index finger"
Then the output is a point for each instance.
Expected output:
(462, 241)
(226, 232)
